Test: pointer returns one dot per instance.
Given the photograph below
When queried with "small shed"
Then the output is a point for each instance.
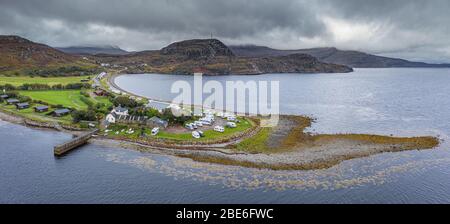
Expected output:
(12, 101)
(100, 92)
(158, 122)
(21, 106)
(40, 109)
(61, 112)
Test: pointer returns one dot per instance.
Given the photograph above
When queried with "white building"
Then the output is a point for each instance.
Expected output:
(120, 111)
(111, 118)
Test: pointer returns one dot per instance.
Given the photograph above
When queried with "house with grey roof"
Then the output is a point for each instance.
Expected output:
(61, 112)
(157, 122)
(21, 106)
(40, 109)
(12, 101)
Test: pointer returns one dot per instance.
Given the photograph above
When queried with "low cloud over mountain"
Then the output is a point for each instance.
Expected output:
(411, 29)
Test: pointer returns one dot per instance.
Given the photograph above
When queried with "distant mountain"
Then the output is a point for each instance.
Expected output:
(212, 57)
(353, 59)
(113, 50)
(17, 53)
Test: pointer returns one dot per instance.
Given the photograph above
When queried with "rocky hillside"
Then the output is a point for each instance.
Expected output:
(198, 49)
(19, 54)
(93, 50)
(354, 59)
(212, 57)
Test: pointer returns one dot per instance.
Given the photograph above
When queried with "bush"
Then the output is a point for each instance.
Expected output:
(34, 86)
(144, 111)
(24, 98)
(125, 102)
(12, 94)
(7, 87)
(81, 115)
(84, 93)
(87, 101)
(168, 116)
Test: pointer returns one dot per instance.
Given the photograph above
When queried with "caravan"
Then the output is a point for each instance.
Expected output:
(219, 129)
(155, 131)
(196, 135)
(231, 124)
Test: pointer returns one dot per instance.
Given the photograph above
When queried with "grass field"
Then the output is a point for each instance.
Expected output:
(67, 98)
(20, 80)
(187, 136)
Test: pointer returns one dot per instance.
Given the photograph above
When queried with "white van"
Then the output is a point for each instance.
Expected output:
(155, 131)
(219, 129)
(199, 123)
(189, 126)
(231, 124)
(195, 134)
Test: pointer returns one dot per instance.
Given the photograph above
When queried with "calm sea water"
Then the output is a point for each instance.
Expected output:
(403, 102)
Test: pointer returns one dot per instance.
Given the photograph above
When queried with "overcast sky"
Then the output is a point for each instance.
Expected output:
(412, 29)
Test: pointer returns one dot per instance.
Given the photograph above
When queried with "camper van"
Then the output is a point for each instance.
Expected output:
(155, 131)
(219, 129)
(195, 134)
(231, 124)
(201, 134)
(189, 126)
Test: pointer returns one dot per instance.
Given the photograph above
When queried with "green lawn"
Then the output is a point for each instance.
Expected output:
(20, 80)
(209, 134)
(67, 98)
(104, 100)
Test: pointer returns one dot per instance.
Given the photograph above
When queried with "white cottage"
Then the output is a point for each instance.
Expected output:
(111, 118)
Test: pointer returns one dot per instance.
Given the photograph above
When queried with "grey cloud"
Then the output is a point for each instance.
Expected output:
(418, 28)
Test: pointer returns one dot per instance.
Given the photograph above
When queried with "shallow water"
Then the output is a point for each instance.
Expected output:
(384, 101)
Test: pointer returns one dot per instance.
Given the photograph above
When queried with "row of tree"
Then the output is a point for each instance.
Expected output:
(40, 86)
(62, 71)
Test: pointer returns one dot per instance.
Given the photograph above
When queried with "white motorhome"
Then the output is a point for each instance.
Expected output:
(195, 134)
(231, 124)
(155, 131)
(219, 129)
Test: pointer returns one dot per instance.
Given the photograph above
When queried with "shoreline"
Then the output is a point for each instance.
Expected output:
(321, 154)
(287, 146)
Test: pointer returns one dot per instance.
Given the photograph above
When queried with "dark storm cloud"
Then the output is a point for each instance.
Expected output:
(417, 29)
(231, 18)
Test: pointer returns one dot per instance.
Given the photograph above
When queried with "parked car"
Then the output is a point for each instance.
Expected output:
(195, 134)
(219, 129)
(155, 131)
(231, 118)
(199, 123)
